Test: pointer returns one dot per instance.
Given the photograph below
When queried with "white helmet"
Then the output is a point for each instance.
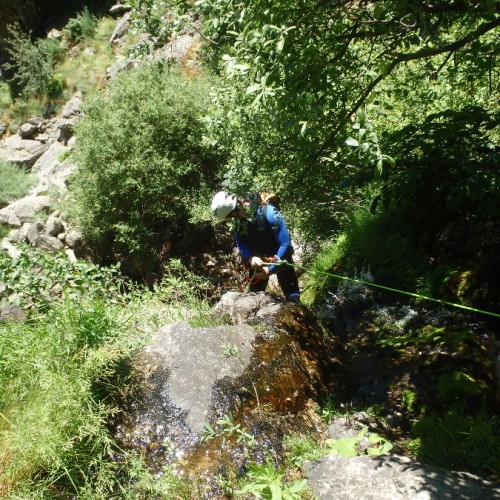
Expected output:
(223, 204)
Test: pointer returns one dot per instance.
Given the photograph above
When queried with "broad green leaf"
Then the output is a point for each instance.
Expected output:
(298, 485)
(346, 447)
(350, 141)
(276, 491)
(361, 116)
(375, 438)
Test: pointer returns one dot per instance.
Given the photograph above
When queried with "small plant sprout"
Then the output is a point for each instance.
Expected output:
(230, 350)
(228, 428)
(267, 482)
(375, 445)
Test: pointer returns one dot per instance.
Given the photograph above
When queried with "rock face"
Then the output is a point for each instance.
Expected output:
(394, 477)
(22, 152)
(263, 379)
(25, 210)
(41, 146)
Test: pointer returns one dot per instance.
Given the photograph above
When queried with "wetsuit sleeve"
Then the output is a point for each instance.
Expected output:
(245, 251)
(281, 233)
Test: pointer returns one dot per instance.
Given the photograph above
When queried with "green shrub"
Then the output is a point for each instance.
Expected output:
(14, 182)
(142, 169)
(458, 439)
(34, 63)
(81, 27)
(34, 278)
(5, 97)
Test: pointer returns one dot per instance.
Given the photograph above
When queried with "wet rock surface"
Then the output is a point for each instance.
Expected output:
(261, 380)
(212, 401)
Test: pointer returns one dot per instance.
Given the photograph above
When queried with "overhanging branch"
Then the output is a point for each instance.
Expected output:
(400, 58)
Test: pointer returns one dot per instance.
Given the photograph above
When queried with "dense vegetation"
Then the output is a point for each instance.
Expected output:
(57, 373)
(148, 175)
(377, 122)
(354, 112)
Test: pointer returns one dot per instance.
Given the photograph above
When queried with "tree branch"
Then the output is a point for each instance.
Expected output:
(421, 54)
(452, 47)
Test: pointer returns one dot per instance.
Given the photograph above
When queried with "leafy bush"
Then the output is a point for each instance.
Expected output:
(264, 481)
(14, 182)
(34, 279)
(34, 64)
(142, 167)
(81, 27)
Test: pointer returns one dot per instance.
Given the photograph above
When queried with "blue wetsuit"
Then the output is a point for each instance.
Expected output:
(267, 235)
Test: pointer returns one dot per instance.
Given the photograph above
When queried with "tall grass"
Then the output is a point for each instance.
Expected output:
(86, 68)
(380, 242)
(52, 419)
(55, 380)
(14, 182)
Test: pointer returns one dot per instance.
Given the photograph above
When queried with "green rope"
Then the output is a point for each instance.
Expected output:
(415, 295)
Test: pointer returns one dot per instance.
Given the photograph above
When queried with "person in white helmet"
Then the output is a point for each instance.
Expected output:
(262, 236)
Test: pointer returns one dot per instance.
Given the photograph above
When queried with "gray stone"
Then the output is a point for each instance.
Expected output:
(73, 238)
(120, 64)
(122, 27)
(118, 9)
(25, 209)
(12, 312)
(14, 236)
(341, 427)
(31, 232)
(239, 307)
(54, 34)
(48, 243)
(177, 48)
(71, 255)
(22, 152)
(195, 360)
(391, 477)
(48, 168)
(40, 123)
(54, 226)
(62, 130)
(27, 130)
(73, 106)
(11, 250)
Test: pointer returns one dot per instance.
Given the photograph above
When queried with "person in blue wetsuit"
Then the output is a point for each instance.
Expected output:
(262, 236)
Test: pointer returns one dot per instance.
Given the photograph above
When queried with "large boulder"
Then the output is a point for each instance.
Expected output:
(21, 152)
(396, 477)
(261, 380)
(25, 210)
(51, 171)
